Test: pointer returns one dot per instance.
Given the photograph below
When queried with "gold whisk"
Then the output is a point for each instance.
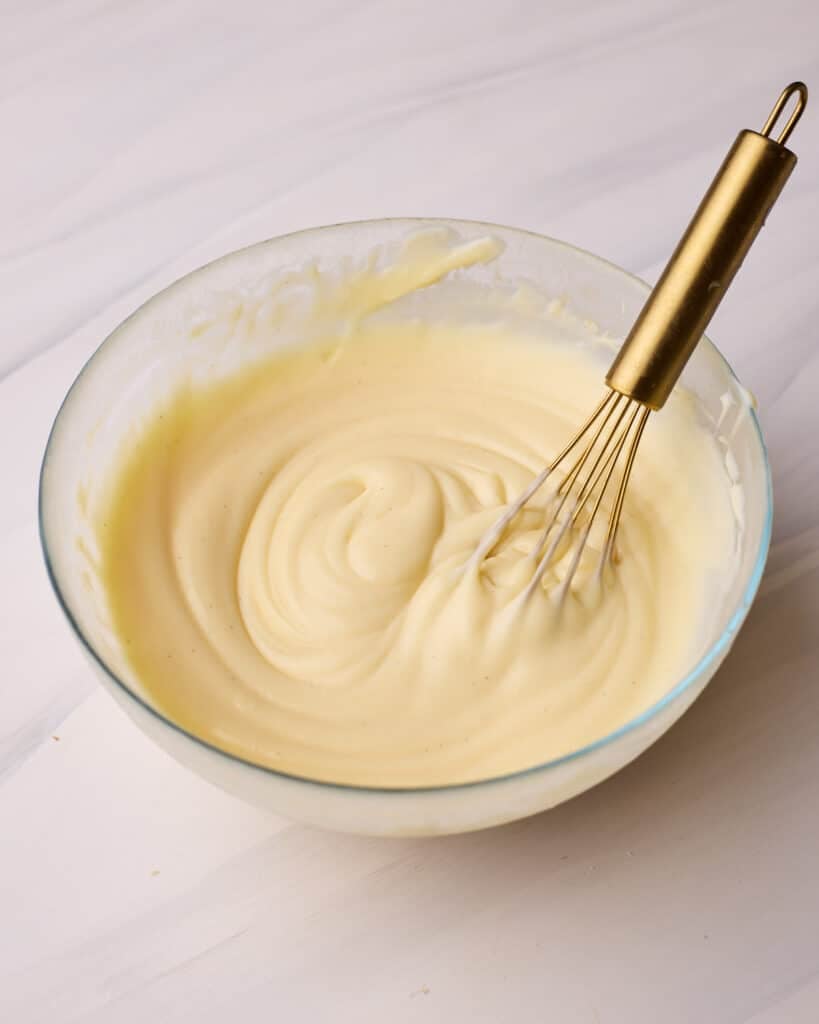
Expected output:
(658, 346)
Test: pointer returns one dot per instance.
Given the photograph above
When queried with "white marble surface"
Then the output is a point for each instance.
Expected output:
(140, 140)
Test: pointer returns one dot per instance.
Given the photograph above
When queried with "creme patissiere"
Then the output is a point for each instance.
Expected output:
(283, 550)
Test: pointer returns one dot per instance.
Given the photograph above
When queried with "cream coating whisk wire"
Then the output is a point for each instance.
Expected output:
(615, 426)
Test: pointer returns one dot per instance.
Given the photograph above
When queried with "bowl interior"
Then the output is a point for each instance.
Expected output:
(206, 325)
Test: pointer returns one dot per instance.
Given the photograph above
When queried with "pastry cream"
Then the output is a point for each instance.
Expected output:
(286, 551)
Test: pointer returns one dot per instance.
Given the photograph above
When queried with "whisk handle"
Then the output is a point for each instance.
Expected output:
(706, 259)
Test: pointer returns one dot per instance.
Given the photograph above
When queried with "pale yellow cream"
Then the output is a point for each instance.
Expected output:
(284, 557)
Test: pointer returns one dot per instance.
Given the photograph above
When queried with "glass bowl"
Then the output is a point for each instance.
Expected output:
(139, 363)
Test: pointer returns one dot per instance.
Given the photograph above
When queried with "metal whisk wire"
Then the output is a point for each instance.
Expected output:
(598, 445)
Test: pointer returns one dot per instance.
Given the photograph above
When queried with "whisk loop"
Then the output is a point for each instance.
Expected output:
(615, 426)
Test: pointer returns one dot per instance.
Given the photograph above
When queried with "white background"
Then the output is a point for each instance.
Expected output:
(140, 140)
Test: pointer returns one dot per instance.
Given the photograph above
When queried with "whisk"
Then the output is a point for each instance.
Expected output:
(657, 348)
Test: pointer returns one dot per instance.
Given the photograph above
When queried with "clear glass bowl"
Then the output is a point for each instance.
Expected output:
(139, 363)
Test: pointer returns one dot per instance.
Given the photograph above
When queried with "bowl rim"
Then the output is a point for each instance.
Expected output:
(711, 657)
